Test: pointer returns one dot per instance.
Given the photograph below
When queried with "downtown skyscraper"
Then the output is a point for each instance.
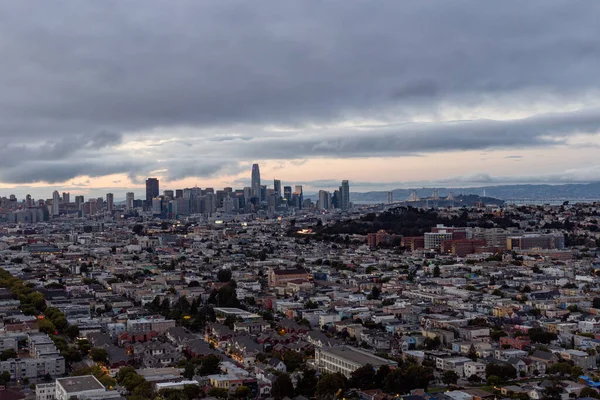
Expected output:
(255, 185)
(345, 195)
(151, 190)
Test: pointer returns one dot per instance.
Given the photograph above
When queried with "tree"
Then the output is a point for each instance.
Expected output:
(7, 354)
(308, 383)
(449, 377)
(218, 393)
(504, 371)
(407, 377)
(5, 377)
(311, 305)
(375, 293)
(552, 392)
(538, 335)
(242, 392)
(138, 229)
(493, 380)
(210, 365)
(474, 378)
(496, 334)
(330, 384)
(431, 344)
(191, 391)
(562, 368)
(382, 373)
(224, 275)
(60, 323)
(282, 387)
(99, 355)
(292, 360)
(189, 370)
(589, 392)
(436, 271)
(472, 354)
(72, 331)
(363, 378)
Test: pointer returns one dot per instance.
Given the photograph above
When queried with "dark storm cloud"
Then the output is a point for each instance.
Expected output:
(74, 67)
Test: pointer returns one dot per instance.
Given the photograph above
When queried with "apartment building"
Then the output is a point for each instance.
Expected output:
(345, 359)
(33, 367)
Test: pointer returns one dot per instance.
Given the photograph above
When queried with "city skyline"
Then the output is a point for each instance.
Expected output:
(411, 92)
(153, 189)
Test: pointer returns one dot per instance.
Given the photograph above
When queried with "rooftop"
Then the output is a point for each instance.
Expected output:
(74, 384)
(358, 356)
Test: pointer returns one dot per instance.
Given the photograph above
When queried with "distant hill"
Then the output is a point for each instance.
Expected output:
(580, 191)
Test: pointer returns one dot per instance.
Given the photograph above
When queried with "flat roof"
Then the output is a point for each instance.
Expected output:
(80, 383)
(236, 311)
(358, 356)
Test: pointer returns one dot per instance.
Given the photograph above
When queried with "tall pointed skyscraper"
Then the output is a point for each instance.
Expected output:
(255, 181)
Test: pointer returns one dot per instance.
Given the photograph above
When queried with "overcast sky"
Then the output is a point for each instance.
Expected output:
(96, 96)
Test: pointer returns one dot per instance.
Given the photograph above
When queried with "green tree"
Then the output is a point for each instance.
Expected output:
(381, 374)
(449, 378)
(375, 293)
(308, 383)
(292, 360)
(504, 371)
(436, 271)
(472, 354)
(282, 387)
(493, 380)
(72, 331)
(552, 392)
(431, 344)
(191, 391)
(363, 378)
(224, 275)
(5, 377)
(218, 393)
(589, 392)
(538, 335)
(210, 365)
(189, 371)
(242, 392)
(407, 377)
(99, 355)
(330, 384)
(7, 354)
(123, 373)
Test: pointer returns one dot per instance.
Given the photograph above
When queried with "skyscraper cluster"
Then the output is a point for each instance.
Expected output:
(258, 197)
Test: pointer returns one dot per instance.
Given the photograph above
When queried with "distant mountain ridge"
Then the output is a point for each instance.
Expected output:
(581, 191)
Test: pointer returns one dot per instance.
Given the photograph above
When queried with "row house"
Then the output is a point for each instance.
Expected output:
(520, 342)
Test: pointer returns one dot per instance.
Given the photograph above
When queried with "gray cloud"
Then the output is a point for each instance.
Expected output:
(414, 138)
(229, 71)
